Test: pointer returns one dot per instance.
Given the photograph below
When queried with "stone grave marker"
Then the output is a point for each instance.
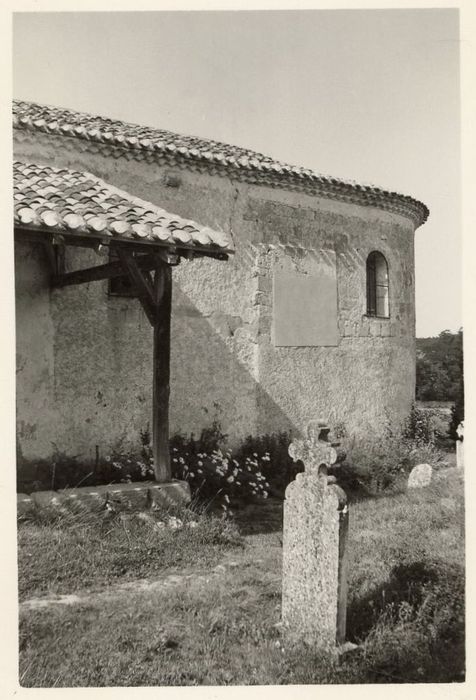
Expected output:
(420, 476)
(315, 529)
(460, 446)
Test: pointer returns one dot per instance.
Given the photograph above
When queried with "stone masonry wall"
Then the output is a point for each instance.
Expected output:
(88, 372)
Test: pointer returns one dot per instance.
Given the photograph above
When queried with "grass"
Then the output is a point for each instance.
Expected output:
(61, 551)
(219, 625)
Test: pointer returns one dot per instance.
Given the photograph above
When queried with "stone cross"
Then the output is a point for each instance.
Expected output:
(315, 529)
(315, 449)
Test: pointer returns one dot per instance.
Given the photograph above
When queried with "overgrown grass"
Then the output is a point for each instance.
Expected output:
(406, 609)
(60, 551)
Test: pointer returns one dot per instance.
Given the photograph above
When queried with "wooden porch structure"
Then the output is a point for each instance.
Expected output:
(148, 265)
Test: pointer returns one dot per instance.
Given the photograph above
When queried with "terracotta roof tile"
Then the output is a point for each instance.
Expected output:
(191, 149)
(62, 200)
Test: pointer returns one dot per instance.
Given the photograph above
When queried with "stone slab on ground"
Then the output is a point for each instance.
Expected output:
(420, 476)
(136, 495)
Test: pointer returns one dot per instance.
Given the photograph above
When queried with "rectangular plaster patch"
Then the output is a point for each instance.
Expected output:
(305, 308)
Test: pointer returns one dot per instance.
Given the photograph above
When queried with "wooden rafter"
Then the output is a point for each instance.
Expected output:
(101, 272)
(91, 240)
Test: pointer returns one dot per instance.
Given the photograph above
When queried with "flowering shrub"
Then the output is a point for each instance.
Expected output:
(278, 467)
(128, 466)
(219, 475)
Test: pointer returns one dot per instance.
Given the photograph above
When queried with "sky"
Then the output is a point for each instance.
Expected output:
(367, 95)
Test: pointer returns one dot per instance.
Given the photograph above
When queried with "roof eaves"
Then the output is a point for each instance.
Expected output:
(206, 155)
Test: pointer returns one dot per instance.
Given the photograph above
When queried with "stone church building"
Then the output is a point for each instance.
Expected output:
(311, 314)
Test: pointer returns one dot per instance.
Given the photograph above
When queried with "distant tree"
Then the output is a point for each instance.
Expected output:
(457, 414)
(439, 367)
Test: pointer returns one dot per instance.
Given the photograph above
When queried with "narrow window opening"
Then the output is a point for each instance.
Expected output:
(377, 285)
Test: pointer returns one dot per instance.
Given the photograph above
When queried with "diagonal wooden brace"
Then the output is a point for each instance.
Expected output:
(141, 282)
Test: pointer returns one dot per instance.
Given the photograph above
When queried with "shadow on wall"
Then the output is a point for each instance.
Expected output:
(212, 364)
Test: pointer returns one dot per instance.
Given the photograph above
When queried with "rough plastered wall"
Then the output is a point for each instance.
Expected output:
(82, 362)
(224, 362)
(369, 376)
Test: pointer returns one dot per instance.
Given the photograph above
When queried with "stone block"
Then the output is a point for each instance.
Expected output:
(261, 299)
(92, 497)
(374, 328)
(171, 493)
(265, 284)
(420, 476)
(44, 499)
(24, 503)
(364, 329)
(131, 496)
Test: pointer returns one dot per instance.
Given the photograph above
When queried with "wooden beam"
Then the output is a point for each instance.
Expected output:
(50, 251)
(101, 272)
(142, 284)
(91, 239)
(161, 372)
(55, 255)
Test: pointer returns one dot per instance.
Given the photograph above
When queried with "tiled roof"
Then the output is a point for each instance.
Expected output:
(68, 201)
(206, 155)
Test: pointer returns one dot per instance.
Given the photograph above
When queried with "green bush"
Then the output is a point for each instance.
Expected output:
(382, 464)
(214, 472)
(416, 625)
(280, 469)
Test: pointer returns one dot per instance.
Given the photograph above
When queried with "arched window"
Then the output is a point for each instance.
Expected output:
(377, 285)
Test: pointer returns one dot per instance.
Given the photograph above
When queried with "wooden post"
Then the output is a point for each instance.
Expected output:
(161, 371)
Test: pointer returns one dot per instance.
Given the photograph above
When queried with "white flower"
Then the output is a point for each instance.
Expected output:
(230, 479)
(175, 523)
(192, 524)
(199, 471)
(192, 474)
(227, 498)
(200, 463)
